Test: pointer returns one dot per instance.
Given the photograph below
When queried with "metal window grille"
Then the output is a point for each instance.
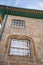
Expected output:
(18, 23)
(20, 47)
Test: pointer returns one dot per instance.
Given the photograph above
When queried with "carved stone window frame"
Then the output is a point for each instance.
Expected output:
(13, 57)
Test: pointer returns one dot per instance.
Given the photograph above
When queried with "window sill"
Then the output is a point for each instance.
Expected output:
(19, 56)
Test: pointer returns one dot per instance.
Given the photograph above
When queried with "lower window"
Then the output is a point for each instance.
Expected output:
(20, 47)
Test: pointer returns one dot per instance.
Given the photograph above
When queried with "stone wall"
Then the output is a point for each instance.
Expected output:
(33, 30)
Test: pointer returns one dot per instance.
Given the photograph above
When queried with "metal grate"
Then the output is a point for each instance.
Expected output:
(20, 47)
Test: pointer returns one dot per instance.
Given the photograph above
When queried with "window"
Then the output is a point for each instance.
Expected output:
(18, 23)
(20, 47)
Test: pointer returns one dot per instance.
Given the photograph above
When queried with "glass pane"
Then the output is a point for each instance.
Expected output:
(19, 43)
(19, 51)
(16, 51)
(15, 43)
(16, 23)
(20, 23)
(12, 51)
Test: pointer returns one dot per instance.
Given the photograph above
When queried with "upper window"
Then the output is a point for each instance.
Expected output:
(18, 23)
(20, 47)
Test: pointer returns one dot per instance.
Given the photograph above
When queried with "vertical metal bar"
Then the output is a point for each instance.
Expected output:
(3, 27)
(4, 24)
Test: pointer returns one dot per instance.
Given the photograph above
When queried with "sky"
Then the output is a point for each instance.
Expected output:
(29, 4)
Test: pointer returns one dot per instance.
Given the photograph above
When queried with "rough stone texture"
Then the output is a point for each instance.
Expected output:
(35, 64)
(34, 30)
(3, 63)
(17, 63)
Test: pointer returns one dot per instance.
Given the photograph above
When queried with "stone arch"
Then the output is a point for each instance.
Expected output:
(20, 37)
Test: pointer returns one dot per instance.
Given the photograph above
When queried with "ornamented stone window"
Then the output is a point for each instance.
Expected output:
(18, 23)
(20, 47)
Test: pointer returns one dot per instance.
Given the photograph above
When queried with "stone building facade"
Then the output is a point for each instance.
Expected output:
(25, 30)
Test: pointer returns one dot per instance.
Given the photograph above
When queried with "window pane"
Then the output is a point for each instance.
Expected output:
(12, 51)
(14, 23)
(19, 43)
(19, 51)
